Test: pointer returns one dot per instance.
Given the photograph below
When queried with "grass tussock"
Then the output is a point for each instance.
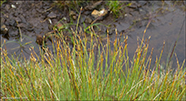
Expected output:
(90, 70)
(80, 73)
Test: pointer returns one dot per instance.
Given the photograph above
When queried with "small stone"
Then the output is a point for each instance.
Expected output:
(13, 32)
(64, 18)
(11, 22)
(52, 15)
(15, 14)
(72, 13)
(4, 29)
(23, 19)
(88, 20)
(50, 21)
(29, 27)
(97, 13)
(13, 6)
(74, 17)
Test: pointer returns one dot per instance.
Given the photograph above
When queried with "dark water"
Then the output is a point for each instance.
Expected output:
(167, 25)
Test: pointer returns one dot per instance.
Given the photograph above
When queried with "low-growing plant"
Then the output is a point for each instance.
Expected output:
(116, 7)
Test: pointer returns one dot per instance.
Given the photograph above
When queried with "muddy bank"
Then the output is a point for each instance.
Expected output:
(23, 23)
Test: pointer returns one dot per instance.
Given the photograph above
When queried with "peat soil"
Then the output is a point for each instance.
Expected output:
(24, 22)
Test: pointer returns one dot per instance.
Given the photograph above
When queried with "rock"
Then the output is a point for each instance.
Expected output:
(10, 22)
(15, 14)
(64, 18)
(55, 21)
(97, 13)
(50, 21)
(52, 15)
(29, 27)
(73, 15)
(88, 20)
(4, 30)
(13, 32)
(13, 6)
(23, 19)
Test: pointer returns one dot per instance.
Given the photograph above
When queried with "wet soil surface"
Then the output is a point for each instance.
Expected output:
(24, 23)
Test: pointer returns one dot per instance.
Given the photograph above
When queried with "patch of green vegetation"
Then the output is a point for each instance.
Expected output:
(116, 7)
(2, 2)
